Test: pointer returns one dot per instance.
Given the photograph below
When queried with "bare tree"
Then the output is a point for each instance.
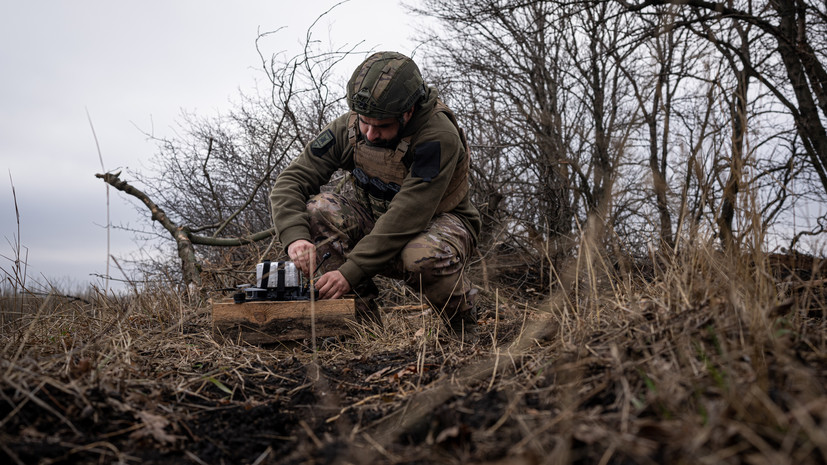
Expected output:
(656, 117)
(650, 120)
(655, 88)
(554, 106)
(210, 183)
(797, 28)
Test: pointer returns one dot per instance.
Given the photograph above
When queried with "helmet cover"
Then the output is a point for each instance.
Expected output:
(385, 85)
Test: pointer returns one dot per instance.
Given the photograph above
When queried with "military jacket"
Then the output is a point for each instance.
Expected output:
(380, 171)
(434, 153)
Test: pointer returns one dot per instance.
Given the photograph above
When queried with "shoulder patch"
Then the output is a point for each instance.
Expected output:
(323, 143)
(426, 160)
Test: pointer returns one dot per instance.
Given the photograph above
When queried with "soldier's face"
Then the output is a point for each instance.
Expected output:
(379, 131)
(383, 132)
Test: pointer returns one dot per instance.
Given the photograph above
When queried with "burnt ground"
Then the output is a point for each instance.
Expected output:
(288, 410)
(287, 407)
(695, 379)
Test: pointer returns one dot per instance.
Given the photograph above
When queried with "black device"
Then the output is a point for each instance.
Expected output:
(277, 281)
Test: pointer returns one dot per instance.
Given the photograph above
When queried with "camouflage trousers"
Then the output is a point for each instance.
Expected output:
(432, 263)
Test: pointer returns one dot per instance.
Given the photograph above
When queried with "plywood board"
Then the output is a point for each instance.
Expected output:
(269, 322)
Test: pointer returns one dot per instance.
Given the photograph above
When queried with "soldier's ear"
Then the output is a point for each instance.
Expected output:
(408, 114)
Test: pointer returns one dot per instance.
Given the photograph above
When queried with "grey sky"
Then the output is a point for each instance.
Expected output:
(131, 65)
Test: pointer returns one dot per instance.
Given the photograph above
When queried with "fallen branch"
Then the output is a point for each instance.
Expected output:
(183, 236)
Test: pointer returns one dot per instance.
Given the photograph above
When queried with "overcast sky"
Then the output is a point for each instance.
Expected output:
(134, 66)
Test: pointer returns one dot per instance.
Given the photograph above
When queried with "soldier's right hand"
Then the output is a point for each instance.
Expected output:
(303, 254)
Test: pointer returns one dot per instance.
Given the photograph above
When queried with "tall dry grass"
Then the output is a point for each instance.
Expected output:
(706, 358)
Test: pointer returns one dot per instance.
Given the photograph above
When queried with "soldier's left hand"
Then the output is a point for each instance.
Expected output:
(303, 254)
(332, 285)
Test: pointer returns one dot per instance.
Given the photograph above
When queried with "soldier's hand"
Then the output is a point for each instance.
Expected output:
(303, 254)
(332, 285)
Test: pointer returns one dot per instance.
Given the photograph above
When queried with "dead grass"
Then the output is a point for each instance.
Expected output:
(710, 360)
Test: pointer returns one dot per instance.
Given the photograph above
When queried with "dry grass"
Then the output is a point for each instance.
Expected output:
(711, 360)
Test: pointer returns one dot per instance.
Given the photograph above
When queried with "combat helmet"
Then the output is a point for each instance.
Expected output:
(385, 85)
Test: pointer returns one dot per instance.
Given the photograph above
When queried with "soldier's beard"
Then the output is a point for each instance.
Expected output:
(387, 143)
(383, 143)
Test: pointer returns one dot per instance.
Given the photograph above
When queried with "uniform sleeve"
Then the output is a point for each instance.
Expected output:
(436, 155)
(303, 179)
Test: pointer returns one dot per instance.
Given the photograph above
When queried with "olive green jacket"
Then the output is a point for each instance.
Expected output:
(409, 212)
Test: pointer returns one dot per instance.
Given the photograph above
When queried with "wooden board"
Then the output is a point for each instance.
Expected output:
(269, 322)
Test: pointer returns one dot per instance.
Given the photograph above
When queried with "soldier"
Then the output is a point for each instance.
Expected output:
(410, 216)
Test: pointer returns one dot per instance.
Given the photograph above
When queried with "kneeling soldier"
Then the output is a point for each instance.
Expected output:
(410, 217)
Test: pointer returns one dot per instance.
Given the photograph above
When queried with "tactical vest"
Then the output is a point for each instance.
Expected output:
(380, 171)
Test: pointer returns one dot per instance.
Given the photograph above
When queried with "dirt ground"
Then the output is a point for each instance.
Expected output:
(639, 380)
(282, 405)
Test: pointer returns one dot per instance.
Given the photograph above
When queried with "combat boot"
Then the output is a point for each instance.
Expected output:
(367, 310)
(464, 325)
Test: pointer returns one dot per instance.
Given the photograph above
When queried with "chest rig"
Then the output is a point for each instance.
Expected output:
(380, 171)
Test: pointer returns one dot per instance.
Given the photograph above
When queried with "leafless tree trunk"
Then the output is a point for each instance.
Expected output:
(669, 48)
(738, 113)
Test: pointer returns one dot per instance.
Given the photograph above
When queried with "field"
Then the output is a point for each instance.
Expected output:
(701, 359)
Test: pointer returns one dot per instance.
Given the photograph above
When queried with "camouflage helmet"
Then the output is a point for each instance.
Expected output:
(385, 85)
